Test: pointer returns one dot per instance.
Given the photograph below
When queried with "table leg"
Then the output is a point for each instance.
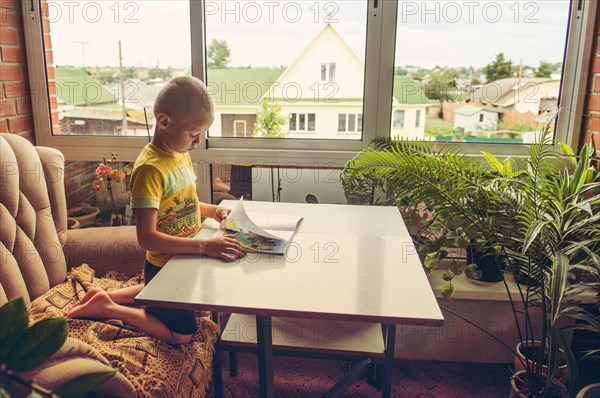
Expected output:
(217, 371)
(265, 355)
(390, 342)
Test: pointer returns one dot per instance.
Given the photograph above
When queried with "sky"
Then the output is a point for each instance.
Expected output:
(273, 33)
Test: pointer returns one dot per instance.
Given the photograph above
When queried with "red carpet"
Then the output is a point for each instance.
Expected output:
(305, 378)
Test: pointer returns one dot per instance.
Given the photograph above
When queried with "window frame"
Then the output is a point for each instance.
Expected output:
(377, 105)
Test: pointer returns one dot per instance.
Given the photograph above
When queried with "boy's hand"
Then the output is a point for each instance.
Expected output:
(224, 247)
(221, 213)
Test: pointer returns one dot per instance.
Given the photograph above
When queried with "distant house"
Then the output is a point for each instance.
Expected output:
(409, 108)
(521, 100)
(87, 107)
(237, 93)
(475, 119)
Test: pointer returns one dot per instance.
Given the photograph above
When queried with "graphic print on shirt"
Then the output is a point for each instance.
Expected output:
(181, 219)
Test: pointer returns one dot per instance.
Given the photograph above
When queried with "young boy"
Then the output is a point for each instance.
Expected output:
(167, 211)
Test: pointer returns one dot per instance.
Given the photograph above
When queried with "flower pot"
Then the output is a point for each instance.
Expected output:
(72, 223)
(562, 373)
(589, 391)
(519, 387)
(490, 265)
(84, 216)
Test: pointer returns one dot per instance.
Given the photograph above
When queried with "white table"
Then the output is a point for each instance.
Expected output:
(345, 263)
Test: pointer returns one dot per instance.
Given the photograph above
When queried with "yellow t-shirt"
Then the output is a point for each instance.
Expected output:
(166, 181)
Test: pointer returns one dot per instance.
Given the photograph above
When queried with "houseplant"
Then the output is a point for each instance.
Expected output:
(542, 218)
(106, 173)
(24, 348)
(463, 196)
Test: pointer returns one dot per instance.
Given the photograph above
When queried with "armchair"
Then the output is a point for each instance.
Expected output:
(50, 267)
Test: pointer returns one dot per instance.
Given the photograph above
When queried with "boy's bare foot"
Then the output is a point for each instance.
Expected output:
(90, 293)
(99, 305)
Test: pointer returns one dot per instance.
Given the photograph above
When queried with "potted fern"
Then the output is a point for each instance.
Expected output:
(544, 219)
(466, 200)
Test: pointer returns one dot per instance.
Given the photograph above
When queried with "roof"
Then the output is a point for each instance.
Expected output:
(470, 110)
(138, 95)
(76, 87)
(327, 34)
(94, 113)
(407, 91)
(240, 86)
(506, 92)
(102, 113)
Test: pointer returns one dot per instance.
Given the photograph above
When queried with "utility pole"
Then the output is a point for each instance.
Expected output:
(122, 91)
(520, 71)
(83, 44)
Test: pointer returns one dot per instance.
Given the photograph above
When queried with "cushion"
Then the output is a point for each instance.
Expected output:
(74, 359)
(153, 367)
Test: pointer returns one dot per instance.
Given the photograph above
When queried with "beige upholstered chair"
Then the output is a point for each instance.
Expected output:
(38, 255)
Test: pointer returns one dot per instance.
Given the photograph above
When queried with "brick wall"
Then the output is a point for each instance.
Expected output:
(591, 120)
(15, 99)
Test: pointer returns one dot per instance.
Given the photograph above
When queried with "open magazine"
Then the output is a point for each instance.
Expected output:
(260, 232)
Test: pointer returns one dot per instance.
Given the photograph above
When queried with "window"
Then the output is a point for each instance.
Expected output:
(399, 119)
(302, 122)
(418, 119)
(241, 75)
(328, 72)
(293, 69)
(518, 78)
(349, 123)
(239, 127)
(103, 81)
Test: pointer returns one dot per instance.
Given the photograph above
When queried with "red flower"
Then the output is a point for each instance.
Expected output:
(99, 185)
(103, 170)
(117, 175)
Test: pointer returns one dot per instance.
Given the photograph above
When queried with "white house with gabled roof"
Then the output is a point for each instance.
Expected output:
(320, 93)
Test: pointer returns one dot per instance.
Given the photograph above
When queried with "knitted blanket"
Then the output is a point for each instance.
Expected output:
(154, 368)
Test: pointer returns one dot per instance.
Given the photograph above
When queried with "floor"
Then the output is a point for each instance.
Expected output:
(299, 377)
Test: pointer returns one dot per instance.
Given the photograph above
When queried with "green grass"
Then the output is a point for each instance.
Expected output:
(435, 126)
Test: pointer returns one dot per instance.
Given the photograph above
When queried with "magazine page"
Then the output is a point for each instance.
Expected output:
(253, 236)
(281, 225)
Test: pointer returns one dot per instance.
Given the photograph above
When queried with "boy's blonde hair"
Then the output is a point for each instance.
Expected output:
(184, 98)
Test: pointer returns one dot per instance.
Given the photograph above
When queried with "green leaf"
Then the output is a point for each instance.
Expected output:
(13, 321)
(448, 290)
(493, 162)
(37, 344)
(507, 169)
(82, 385)
(567, 150)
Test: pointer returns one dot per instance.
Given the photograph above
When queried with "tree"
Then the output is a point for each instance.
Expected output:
(130, 73)
(438, 89)
(269, 121)
(544, 70)
(499, 69)
(218, 54)
(160, 73)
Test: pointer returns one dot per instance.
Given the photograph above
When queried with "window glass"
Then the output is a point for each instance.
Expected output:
(107, 61)
(398, 119)
(288, 183)
(294, 71)
(342, 122)
(311, 122)
(351, 122)
(292, 122)
(514, 76)
(332, 72)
